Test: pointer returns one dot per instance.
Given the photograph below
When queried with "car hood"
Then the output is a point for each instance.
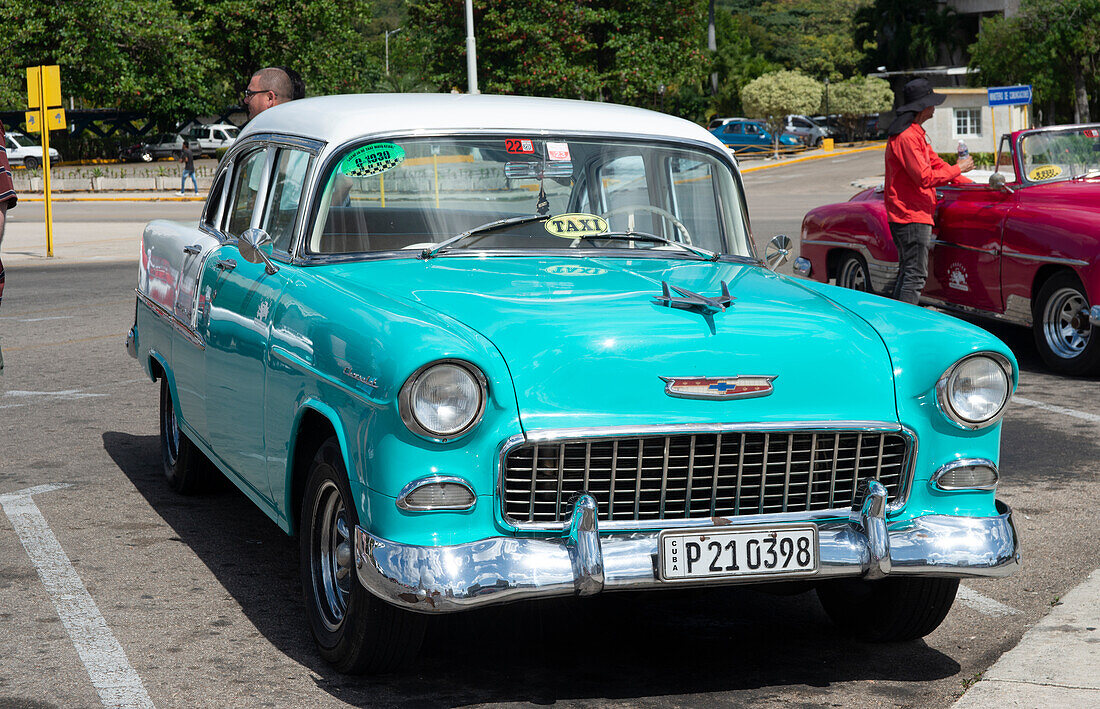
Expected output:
(586, 342)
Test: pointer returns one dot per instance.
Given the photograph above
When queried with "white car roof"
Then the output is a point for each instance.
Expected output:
(337, 119)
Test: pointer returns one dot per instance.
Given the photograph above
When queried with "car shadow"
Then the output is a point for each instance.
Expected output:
(616, 646)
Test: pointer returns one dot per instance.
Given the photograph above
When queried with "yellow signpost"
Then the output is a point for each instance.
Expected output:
(44, 94)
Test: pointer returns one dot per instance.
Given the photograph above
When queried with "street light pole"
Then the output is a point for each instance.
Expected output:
(471, 49)
(388, 33)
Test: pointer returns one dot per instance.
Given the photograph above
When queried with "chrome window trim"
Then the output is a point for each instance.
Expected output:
(941, 392)
(188, 332)
(564, 435)
(321, 168)
(432, 480)
(405, 409)
(965, 463)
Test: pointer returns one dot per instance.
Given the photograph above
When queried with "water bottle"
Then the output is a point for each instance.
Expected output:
(963, 152)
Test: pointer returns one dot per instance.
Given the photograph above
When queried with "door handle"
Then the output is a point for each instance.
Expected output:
(225, 264)
(194, 249)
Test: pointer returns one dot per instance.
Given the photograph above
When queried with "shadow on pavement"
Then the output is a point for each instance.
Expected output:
(616, 646)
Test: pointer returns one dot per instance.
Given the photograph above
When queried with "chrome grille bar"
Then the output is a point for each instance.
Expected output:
(748, 473)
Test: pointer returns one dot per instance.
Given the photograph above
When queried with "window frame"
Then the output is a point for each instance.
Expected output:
(974, 116)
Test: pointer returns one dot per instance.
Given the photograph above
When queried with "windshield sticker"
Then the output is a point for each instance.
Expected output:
(571, 226)
(575, 270)
(519, 145)
(557, 151)
(372, 159)
(1044, 172)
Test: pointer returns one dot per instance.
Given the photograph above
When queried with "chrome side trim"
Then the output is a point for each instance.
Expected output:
(965, 463)
(402, 501)
(564, 435)
(305, 367)
(164, 314)
(1013, 315)
(131, 342)
(964, 247)
(446, 579)
(1044, 259)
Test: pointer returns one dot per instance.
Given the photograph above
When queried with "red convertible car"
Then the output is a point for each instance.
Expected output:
(1024, 248)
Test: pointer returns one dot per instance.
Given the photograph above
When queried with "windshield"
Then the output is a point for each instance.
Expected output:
(1064, 154)
(419, 192)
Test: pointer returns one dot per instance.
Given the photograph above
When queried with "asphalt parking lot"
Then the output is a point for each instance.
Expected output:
(195, 602)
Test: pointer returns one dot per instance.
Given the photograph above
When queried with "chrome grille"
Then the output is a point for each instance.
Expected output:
(700, 475)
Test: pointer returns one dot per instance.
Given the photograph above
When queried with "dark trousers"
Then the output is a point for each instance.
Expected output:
(913, 241)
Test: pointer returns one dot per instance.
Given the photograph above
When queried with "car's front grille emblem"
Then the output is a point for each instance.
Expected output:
(739, 387)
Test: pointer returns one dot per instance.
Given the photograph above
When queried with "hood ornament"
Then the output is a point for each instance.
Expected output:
(687, 300)
(742, 386)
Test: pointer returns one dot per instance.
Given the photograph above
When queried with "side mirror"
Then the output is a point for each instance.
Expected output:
(778, 251)
(997, 182)
(255, 246)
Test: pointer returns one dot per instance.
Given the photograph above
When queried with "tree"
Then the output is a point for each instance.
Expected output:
(905, 34)
(857, 97)
(110, 53)
(1053, 45)
(615, 50)
(773, 96)
(737, 61)
(812, 36)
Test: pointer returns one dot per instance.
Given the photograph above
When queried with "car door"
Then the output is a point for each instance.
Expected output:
(239, 298)
(965, 261)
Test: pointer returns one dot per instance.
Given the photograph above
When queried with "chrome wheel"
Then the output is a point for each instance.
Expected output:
(331, 555)
(853, 274)
(171, 433)
(1065, 323)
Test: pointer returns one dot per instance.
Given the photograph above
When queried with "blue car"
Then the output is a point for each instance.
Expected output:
(745, 136)
(475, 349)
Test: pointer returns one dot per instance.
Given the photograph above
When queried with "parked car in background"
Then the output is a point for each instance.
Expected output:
(212, 137)
(26, 151)
(745, 136)
(480, 349)
(809, 132)
(1024, 248)
(716, 122)
(164, 145)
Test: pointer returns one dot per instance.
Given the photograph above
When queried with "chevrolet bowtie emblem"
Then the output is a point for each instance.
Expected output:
(739, 387)
(687, 300)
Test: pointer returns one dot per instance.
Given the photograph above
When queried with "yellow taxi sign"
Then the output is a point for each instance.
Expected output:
(576, 224)
(49, 79)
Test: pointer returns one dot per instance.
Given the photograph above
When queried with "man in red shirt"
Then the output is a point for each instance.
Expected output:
(913, 172)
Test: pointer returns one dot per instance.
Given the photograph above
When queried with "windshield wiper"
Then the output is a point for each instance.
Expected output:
(652, 238)
(483, 229)
(1095, 172)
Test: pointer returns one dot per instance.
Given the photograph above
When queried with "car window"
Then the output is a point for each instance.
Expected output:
(246, 187)
(732, 128)
(287, 178)
(751, 129)
(693, 185)
(214, 202)
(623, 183)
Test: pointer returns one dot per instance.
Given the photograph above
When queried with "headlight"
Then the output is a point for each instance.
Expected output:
(974, 392)
(443, 400)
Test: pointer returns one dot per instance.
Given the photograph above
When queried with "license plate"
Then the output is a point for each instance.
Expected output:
(758, 551)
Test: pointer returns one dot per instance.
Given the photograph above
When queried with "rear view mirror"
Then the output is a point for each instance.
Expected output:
(537, 170)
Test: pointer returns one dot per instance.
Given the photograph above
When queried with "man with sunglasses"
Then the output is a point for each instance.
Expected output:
(269, 87)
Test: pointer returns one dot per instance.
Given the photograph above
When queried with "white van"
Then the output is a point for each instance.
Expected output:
(213, 136)
(26, 151)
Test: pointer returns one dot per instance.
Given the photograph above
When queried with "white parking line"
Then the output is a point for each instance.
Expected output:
(1083, 415)
(983, 604)
(115, 680)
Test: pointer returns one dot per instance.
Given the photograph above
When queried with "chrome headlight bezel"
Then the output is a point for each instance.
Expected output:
(943, 394)
(407, 409)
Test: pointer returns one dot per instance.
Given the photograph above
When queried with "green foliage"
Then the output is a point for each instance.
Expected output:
(812, 36)
(616, 50)
(1053, 45)
(904, 34)
(857, 97)
(982, 161)
(773, 96)
(738, 61)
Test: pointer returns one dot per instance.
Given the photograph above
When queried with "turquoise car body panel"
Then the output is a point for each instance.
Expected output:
(564, 342)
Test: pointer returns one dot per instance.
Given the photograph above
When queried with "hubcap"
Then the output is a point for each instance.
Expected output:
(853, 276)
(331, 555)
(1066, 326)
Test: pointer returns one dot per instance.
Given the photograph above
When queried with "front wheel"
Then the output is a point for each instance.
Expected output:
(851, 273)
(185, 467)
(30, 163)
(888, 610)
(1066, 340)
(354, 630)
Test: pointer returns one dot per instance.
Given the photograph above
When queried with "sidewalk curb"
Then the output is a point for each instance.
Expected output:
(113, 198)
(1056, 663)
(822, 156)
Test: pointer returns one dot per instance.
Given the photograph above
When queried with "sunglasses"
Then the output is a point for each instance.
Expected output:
(249, 93)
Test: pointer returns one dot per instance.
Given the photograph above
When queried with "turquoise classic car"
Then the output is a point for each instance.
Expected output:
(481, 349)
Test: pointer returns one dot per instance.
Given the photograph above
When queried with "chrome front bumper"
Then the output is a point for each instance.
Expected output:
(504, 569)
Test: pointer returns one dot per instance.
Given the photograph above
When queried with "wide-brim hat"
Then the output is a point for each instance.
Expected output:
(918, 95)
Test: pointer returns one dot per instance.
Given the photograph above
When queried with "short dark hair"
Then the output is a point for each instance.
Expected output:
(296, 82)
